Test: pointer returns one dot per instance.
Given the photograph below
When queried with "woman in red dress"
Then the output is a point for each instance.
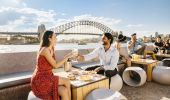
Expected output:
(43, 82)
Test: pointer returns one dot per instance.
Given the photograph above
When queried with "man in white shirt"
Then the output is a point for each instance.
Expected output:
(108, 56)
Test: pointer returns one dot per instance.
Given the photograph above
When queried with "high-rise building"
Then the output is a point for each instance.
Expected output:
(41, 30)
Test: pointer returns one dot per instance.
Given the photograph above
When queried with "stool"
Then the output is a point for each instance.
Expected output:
(161, 74)
(116, 83)
(131, 80)
(31, 96)
(104, 94)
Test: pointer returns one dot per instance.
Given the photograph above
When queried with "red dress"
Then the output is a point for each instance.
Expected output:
(43, 82)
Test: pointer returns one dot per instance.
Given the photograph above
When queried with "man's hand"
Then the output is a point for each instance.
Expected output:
(80, 57)
(98, 69)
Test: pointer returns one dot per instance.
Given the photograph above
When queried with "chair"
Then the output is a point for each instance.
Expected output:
(116, 83)
(161, 74)
(31, 96)
(148, 52)
(104, 94)
(130, 76)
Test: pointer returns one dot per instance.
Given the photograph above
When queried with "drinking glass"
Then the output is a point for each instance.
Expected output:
(75, 54)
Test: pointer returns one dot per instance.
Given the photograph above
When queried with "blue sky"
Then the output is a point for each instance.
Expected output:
(142, 16)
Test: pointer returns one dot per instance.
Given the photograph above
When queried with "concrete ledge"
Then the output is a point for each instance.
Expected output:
(15, 79)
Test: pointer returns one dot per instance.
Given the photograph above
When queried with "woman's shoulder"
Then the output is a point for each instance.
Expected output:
(44, 51)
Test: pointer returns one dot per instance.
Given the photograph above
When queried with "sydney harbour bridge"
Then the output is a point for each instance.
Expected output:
(82, 27)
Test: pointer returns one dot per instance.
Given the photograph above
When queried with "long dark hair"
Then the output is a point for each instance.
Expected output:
(45, 39)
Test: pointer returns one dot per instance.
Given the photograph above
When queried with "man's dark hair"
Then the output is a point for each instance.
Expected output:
(159, 36)
(109, 36)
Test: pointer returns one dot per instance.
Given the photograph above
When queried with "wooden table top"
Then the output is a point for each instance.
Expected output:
(79, 83)
(143, 61)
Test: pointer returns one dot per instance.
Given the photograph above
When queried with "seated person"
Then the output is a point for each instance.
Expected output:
(122, 57)
(166, 47)
(158, 45)
(44, 83)
(133, 44)
(108, 56)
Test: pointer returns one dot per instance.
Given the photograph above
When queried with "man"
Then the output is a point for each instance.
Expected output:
(108, 56)
(133, 44)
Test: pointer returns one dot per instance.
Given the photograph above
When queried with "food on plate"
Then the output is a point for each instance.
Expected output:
(85, 77)
(75, 72)
(71, 77)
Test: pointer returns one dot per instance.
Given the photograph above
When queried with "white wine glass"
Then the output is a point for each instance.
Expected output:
(75, 54)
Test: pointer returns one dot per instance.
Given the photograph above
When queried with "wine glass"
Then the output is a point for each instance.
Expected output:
(75, 54)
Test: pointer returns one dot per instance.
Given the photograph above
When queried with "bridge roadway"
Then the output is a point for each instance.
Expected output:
(36, 33)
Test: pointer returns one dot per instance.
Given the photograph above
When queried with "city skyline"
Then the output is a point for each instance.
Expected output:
(144, 17)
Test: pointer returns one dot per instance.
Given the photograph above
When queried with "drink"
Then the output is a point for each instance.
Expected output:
(166, 51)
(75, 54)
(67, 66)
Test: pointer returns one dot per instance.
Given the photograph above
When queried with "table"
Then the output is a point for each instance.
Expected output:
(80, 89)
(163, 55)
(148, 63)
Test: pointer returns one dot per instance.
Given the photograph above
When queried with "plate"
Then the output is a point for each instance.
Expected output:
(85, 77)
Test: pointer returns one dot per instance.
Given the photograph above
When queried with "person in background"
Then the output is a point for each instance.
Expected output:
(108, 56)
(44, 84)
(158, 45)
(117, 45)
(166, 46)
(122, 57)
(133, 44)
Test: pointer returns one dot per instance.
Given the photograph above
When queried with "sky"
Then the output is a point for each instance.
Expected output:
(145, 17)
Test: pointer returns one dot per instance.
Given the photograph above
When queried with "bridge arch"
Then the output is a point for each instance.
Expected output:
(67, 26)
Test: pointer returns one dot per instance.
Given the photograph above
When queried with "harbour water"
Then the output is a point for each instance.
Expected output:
(30, 48)
(59, 46)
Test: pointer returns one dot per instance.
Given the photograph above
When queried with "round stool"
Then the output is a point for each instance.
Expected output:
(134, 76)
(116, 83)
(104, 94)
(161, 74)
(31, 96)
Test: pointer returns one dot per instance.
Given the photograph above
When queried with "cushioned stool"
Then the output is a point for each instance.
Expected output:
(31, 96)
(104, 94)
(131, 74)
(161, 74)
(116, 83)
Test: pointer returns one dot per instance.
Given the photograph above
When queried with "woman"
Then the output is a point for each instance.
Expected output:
(43, 82)
(122, 57)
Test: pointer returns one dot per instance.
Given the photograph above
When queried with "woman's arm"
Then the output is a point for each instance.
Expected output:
(52, 61)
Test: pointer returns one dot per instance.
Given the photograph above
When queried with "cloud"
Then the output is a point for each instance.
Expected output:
(107, 21)
(27, 19)
(19, 19)
(134, 25)
(13, 3)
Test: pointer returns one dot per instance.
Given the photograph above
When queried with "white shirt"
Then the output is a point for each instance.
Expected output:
(108, 59)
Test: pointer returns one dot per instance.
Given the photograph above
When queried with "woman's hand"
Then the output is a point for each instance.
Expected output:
(68, 56)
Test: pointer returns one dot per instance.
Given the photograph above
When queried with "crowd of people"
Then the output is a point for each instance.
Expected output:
(162, 46)
(47, 86)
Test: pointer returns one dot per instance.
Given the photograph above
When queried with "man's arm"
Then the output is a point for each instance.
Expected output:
(89, 56)
(130, 45)
(142, 44)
